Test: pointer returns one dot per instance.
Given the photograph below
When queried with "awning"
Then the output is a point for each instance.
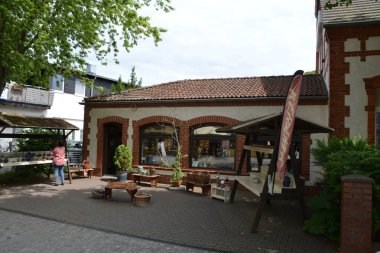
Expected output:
(12, 120)
(265, 125)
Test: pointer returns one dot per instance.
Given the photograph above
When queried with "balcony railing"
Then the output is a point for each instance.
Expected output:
(30, 95)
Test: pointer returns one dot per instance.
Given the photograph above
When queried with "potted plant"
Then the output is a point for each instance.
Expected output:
(177, 175)
(123, 162)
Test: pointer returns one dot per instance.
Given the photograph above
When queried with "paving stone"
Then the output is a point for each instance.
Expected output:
(42, 217)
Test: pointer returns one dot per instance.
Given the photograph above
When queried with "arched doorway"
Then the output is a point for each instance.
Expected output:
(112, 139)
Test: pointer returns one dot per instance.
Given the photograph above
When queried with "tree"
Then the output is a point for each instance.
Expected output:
(120, 86)
(39, 38)
(133, 82)
(311, 72)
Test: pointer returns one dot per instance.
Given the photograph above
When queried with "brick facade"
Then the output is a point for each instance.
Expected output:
(371, 84)
(338, 68)
(100, 137)
(356, 214)
(184, 125)
(184, 137)
(184, 132)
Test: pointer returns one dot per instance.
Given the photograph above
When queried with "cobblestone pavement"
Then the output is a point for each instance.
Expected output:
(42, 218)
(24, 233)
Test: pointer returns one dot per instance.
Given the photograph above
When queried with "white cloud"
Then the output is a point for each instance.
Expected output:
(220, 38)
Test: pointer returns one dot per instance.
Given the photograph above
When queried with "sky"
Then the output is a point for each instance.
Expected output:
(222, 38)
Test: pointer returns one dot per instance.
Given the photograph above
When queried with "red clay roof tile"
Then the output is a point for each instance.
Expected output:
(221, 88)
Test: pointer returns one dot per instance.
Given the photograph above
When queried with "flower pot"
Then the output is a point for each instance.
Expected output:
(122, 176)
(142, 199)
(176, 183)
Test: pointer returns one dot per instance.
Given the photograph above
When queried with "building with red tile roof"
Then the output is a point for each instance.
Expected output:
(143, 118)
(348, 58)
(154, 120)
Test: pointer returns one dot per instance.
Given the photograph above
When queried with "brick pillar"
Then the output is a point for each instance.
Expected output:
(356, 214)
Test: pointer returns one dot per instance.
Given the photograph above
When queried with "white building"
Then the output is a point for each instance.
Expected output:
(62, 101)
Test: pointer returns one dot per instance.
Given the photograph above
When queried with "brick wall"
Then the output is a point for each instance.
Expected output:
(371, 84)
(338, 68)
(184, 131)
(356, 214)
(184, 127)
(100, 138)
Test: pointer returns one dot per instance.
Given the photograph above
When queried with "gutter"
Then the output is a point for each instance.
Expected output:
(352, 23)
(205, 100)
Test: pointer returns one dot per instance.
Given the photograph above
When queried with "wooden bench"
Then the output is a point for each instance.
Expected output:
(137, 178)
(206, 188)
(130, 187)
(81, 172)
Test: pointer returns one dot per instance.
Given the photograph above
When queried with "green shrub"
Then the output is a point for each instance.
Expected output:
(33, 144)
(339, 158)
(123, 158)
(20, 176)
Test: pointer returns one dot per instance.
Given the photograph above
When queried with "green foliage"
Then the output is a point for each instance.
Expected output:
(331, 4)
(311, 72)
(41, 38)
(326, 216)
(133, 81)
(176, 166)
(22, 175)
(113, 88)
(131, 84)
(123, 158)
(339, 158)
(119, 86)
(32, 144)
(323, 148)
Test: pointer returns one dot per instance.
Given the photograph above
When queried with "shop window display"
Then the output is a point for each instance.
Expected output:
(157, 144)
(210, 149)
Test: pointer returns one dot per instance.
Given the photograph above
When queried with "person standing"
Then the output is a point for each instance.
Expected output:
(59, 161)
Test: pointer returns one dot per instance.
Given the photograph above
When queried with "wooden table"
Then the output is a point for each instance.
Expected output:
(130, 187)
(81, 171)
(206, 188)
(137, 178)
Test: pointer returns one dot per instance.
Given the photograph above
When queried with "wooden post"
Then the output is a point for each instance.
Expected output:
(264, 193)
(240, 168)
(300, 185)
(356, 214)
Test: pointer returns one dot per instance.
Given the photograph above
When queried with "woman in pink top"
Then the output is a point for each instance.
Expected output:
(58, 161)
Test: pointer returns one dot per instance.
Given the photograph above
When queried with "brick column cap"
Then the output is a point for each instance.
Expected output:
(357, 178)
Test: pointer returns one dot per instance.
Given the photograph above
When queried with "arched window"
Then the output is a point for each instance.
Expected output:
(210, 149)
(158, 142)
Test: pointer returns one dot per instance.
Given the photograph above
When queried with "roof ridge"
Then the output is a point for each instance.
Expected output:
(212, 79)
(221, 88)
